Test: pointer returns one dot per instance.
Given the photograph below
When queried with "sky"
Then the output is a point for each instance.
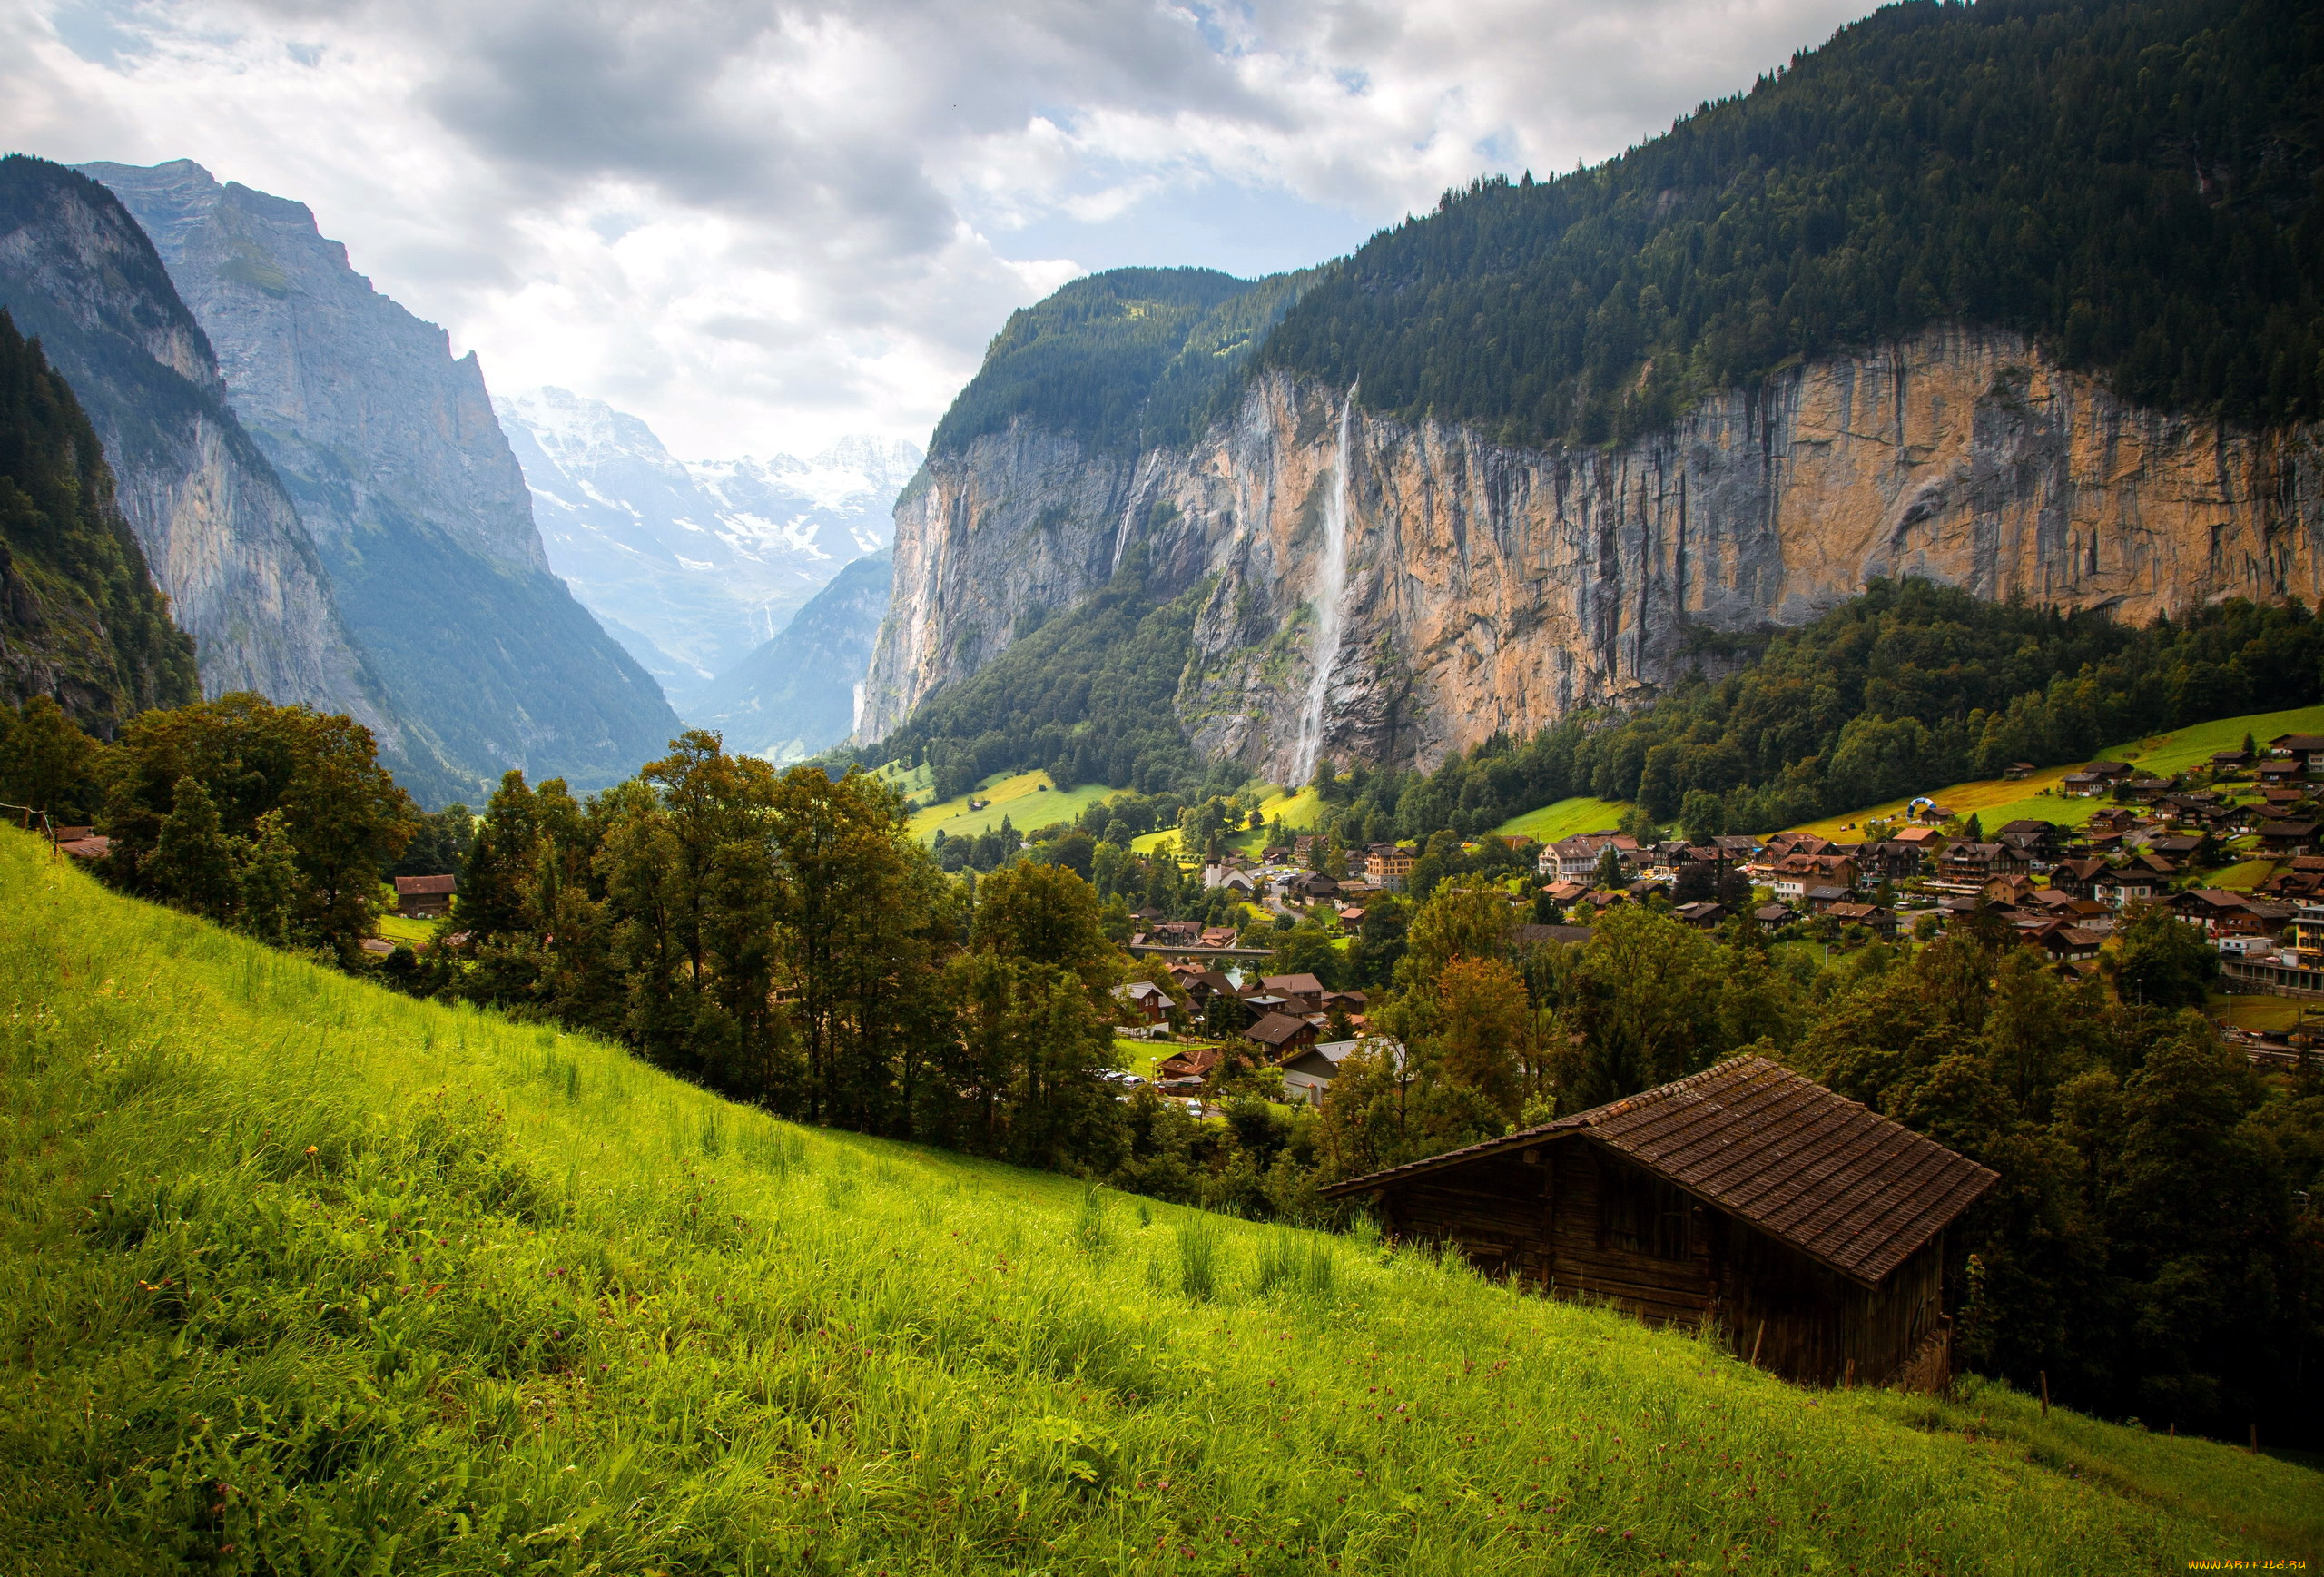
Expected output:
(762, 226)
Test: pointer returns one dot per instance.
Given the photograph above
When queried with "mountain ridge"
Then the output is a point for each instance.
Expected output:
(705, 560)
(221, 536)
(407, 486)
(1497, 575)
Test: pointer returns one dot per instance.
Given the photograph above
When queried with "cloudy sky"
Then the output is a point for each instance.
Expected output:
(761, 225)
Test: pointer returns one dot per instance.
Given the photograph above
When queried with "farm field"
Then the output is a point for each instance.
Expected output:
(300, 1274)
(1564, 819)
(1028, 799)
(1998, 800)
(412, 932)
(1295, 809)
(296, 1274)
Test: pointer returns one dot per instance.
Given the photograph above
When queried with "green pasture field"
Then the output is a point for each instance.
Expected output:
(2259, 1012)
(412, 932)
(1028, 799)
(1294, 810)
(297, 1275)
(1564, 819)
(1997, 801)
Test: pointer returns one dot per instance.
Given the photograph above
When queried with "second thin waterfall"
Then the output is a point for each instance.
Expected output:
(1331, 589)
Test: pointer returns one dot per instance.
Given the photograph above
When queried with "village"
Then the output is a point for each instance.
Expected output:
(2230, 847)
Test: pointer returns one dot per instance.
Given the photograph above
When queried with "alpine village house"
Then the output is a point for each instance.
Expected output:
(1809, 1227)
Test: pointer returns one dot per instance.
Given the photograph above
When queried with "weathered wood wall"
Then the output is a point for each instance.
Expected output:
(1545, 1222)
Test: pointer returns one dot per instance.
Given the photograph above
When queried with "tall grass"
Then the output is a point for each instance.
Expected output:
(298, 1275)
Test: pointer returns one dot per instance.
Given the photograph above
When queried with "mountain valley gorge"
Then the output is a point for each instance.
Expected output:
(1560, 445)
(1492, 588)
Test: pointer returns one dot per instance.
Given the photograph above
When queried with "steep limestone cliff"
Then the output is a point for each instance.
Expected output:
(220, 535)
(399, 470)
(1493, 588)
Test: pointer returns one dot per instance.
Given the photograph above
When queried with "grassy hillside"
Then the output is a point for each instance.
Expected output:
(1028, 799)
(1997, 801)
(1564, 819)
(296, 1275)
(1297, 810)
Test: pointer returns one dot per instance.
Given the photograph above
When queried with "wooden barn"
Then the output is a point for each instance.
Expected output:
(1809, 1227)
(424, 897)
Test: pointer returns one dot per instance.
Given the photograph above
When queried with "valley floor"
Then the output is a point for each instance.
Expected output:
(299, 1274)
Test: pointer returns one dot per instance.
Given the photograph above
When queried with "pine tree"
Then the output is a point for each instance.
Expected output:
(270, 881)
(193, 863)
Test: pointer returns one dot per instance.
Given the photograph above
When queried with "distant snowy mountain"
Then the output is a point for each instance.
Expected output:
(695, 566)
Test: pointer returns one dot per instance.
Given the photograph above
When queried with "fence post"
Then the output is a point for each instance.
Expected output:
(2045, 1391)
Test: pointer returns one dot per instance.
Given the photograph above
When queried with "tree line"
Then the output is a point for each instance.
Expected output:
(2136, 188)
(1908, 685)
(779, 936)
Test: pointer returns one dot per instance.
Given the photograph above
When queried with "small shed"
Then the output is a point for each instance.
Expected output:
(425, 897)
(1809, 1227)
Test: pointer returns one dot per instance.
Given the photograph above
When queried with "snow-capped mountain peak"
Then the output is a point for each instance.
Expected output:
(692, 564)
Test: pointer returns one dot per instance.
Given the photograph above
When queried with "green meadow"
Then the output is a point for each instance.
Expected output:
(1297, 811)
(1999, 801)
(1028, 799)
(1564, 819)
(297, 1275)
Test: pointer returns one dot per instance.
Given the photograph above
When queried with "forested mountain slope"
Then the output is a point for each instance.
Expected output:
(2132, 188)
(294, 1273)
(80, 619)
(2019, 297)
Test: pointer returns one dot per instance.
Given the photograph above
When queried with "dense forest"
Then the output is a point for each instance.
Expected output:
(80, 619)
(1906, 686)
(1122, 360)
(2138, 188)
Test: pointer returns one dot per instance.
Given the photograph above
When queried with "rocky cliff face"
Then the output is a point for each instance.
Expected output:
(218, 533)
(407, 486)
(1492, 588)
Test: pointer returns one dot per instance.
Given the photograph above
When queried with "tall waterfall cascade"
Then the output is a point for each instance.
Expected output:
(1331, 591)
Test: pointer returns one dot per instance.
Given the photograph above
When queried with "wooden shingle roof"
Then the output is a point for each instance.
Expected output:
(1818, 1172)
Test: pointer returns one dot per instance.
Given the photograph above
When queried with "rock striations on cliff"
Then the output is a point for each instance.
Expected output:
(1550, 444)
(1492, 588)
(220, 535)
(408, 489)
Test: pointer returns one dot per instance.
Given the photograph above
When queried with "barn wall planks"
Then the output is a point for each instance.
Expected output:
(1546, 1223)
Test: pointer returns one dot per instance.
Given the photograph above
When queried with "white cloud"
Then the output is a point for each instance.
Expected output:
(761, 225)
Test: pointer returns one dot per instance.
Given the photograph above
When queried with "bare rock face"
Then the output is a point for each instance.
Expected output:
(221, 536)
(1491, 588)
(390, 450)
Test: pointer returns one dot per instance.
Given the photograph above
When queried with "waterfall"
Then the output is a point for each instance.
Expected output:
(1331, 589)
